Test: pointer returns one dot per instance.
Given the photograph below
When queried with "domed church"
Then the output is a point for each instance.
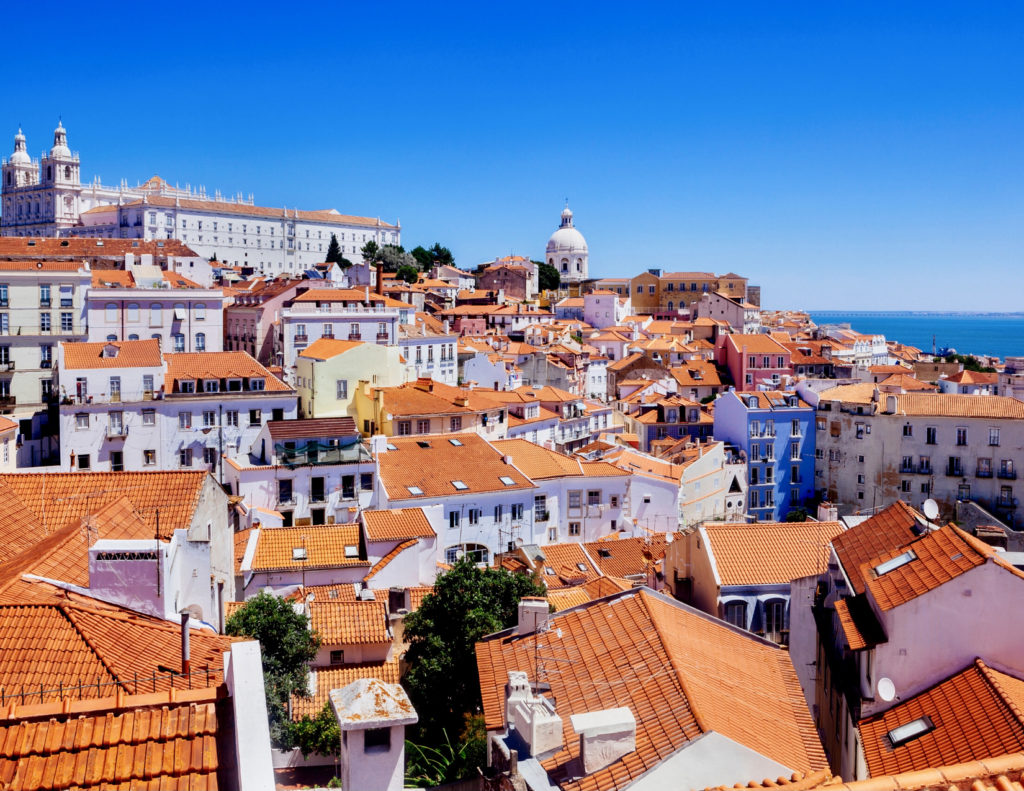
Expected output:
(567, 250)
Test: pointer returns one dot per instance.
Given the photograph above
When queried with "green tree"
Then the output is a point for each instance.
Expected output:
(287, 646)
(409, 274)
(970, 363)
(371, 252)
(422, 256)
(466, 604)
(547, 276)
(319, 734)
(796, 515)
(334, 255)
(394, 257)
(441, 254)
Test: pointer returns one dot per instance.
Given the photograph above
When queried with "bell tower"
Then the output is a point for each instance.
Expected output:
(60, 172)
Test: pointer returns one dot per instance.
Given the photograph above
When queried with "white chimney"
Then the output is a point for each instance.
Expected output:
(828, 512)
(533, 614)
(605, 736)
(378, 444)
(532, 716)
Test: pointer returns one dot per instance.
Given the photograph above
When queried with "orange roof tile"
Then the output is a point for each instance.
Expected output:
(565, 565)
(350, 622)
(627, 557)
(327, 678)
(326, 348)
(147, 744)
(327, 546)
(220, 365)
(537, 462)
(432, 463)
(681, 673)
(389, 557)
(112, 354)
(976, 713)
(396, 524)
(893, 527)
(769, 553)
(949, 405)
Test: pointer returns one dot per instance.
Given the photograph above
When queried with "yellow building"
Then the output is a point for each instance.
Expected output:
(328, 373)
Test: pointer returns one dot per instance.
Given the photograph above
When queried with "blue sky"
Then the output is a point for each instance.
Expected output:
(842, 155)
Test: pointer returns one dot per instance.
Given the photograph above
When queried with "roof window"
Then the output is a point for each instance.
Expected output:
(581, 566)
(894, 563)
(414, 490)
(549, 571)
(459, 485)
(423, 443)
(912, 730)
(455, 442)
(389, 446)
(351, 551)
(299, 553)
(605, 553)
(507, 481)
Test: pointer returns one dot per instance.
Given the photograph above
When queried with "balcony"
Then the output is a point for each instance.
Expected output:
(954, 472)
(382, 336)
(7, 401)
(1008, 475)
(6, 365)
(46, 363)
(355, 336)
(117, 432)
(318, 498)
(302, 339)
(983, 473)
(287, 501)
(1006, 502)
(44, 303)
(319, 452)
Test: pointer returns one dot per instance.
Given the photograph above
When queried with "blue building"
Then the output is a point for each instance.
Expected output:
(775, 431)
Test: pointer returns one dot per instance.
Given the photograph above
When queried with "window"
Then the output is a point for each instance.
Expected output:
(184, 420)
(993, 436)
(423, 426)
(894, 563)
(404, 428)
(200, 311)
(755, 452)
(133, 312)
(81, 421)
(110, 311)
(366, 481)
(67, 322)
(473, 515)
(341, 388)
(179, 342)
(209, 418)
(149, 417)
(735, 612)
(794, 429)
(231, 418)
(200, 341)
(185, 457)
(211, 385)
(794, 450)
(83, 461)
(953, 466)
(516, 511)
(774, 620)
(499, 512)
(156, 315)
(912, 730)
(594, 497)
(929, 435)
(255, 417)
(961, 435)
(860, 430)
(453, 520)
(908, 430)
(574, 528)
(575, 499)
(337, 657)
(456, 423)
(149, 457)
(44, 322)
(44, 294)
(904, 486)
(210, 456)
(540, 508)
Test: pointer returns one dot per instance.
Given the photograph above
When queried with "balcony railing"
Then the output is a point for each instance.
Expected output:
(382, 336)
(302, 339)
(983, 473)
(1006, 502)
(117, 432)
(1008, 475)
(7, 401)
(286, 500)
(355, 336)
(46, 363)
(954, 472)
(6, 365)
(314, 452)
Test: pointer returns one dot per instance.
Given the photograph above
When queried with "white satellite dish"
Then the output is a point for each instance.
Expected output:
(931, 509)
(886, 689)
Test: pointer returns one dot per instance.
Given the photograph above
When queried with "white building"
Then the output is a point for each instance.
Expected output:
(604, 308)
(428, 351)
(567, 250)
(145, 302)
(126, 406)
(47, 198)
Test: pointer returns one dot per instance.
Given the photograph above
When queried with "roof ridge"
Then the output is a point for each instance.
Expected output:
(989, 674)
(65, 608)
(390, 556)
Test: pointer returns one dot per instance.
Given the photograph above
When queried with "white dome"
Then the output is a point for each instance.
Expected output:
(60, 142)
(567, 240)
(20, 155)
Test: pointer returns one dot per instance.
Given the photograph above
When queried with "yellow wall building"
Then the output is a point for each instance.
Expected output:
(328, 373)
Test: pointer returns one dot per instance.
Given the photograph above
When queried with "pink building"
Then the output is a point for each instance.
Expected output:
(754, 361)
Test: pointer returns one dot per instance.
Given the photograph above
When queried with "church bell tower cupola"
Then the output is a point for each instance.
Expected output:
(19, 170)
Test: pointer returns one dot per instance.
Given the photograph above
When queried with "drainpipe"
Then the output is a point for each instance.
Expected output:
(186, 664)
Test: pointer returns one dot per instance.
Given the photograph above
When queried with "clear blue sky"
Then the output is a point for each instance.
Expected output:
(842, 155)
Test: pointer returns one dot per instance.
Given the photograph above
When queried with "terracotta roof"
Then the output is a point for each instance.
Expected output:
(312, 428)
(565, 565)
(90, 247)
(891, 528)
(327, 546)
(327, 678)
(627, 557)
(537, 462)
(975, 714)
(998, 773)
(112, 354)
(681, 673)
(140, 742)
(940, 556)
(949, 405)
(326, 348)
(907, 382)
(863, 393)
(769, 553)
(428, 397)
(350, 622)
(220, 365)
(417, 594)
(564, 598)
(966, 377)
(432, 463)
(389, 557)
(397, 524)
(756, 344)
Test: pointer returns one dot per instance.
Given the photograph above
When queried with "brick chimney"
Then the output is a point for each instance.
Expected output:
(380, 278)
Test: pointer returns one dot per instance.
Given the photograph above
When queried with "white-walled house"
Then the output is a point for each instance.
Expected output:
(126, 406)
(604, 308)
(143, 301)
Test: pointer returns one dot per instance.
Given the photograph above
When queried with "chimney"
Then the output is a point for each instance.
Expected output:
(186, 663)
(605, 736)
(378, 444)
(532, 716)
(366, 293)
(890, 404)
(380, 278)
(827, 512)
(533, 614)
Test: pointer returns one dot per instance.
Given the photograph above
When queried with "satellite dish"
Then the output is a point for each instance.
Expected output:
(459, 554)
(931, 509)
(886, 689)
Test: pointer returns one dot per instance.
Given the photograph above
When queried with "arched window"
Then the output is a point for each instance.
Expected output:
(111, 312)
(200, 311)
(670, 304)
(735, 612)
(157, 337)
(67, 171)
(133, 337)
(476, 553)
(133, 312)
(111, 338)
(156, 314)
(179, 342)
(200, 341)
(49, 171)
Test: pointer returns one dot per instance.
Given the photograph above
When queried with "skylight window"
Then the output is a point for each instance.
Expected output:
(351, 551)
(389, 446)
(456, 443)
(507, 481)
(605, 553)
(459, 485)
(912, 730)
(549, 571)
(423, 443)
(299, 553)
(414, 490)
(581, 566)
(894, 563)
